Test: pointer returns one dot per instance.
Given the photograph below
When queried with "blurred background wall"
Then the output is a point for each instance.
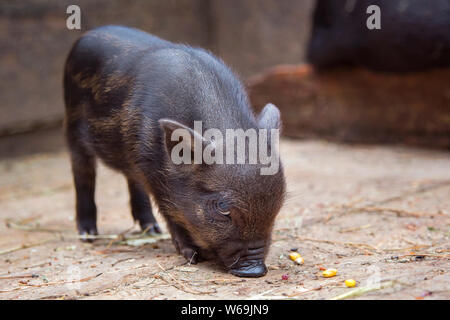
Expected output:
(359, 85)
(34, 41)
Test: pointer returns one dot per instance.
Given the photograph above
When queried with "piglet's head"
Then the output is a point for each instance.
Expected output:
(224, 211)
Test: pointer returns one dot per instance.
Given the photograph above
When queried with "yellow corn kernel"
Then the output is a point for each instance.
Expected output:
(300, 260)
(297, 258)
(329, 273)
(350, 283)
(294, 256)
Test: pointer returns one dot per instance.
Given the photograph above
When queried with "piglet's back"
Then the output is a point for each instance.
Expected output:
(160, 78)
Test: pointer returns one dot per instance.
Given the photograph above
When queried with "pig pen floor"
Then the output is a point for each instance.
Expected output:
(377, 214)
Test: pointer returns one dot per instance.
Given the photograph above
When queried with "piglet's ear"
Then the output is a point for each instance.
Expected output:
(179, 141)
(269, 118)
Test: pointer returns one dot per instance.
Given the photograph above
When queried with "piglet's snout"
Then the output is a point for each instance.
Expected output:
(250, 263)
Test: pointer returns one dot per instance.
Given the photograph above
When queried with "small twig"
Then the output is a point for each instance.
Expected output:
(11, 290)
(115, 238)
(192, 258)
(24, 286)
(139, 241)
(24, 246)
(19, 277)
(415, 247)
(109, 251)
(363, 290)
(45, 284)
(121, 235)
(13, 225)
(93, 237)
(355, 229)
(121, 260)
(425, 255)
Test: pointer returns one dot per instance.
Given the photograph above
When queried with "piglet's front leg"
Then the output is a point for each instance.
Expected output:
(183, 243)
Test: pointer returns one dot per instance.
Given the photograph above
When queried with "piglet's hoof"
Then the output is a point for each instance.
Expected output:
(151, 229)
(85, 233)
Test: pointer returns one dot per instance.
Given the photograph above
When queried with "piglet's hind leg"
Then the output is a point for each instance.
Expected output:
(83, 168)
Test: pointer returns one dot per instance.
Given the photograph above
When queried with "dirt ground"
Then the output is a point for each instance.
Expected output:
(377, 214)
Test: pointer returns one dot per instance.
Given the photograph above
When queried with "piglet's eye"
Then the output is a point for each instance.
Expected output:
(223, 207)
